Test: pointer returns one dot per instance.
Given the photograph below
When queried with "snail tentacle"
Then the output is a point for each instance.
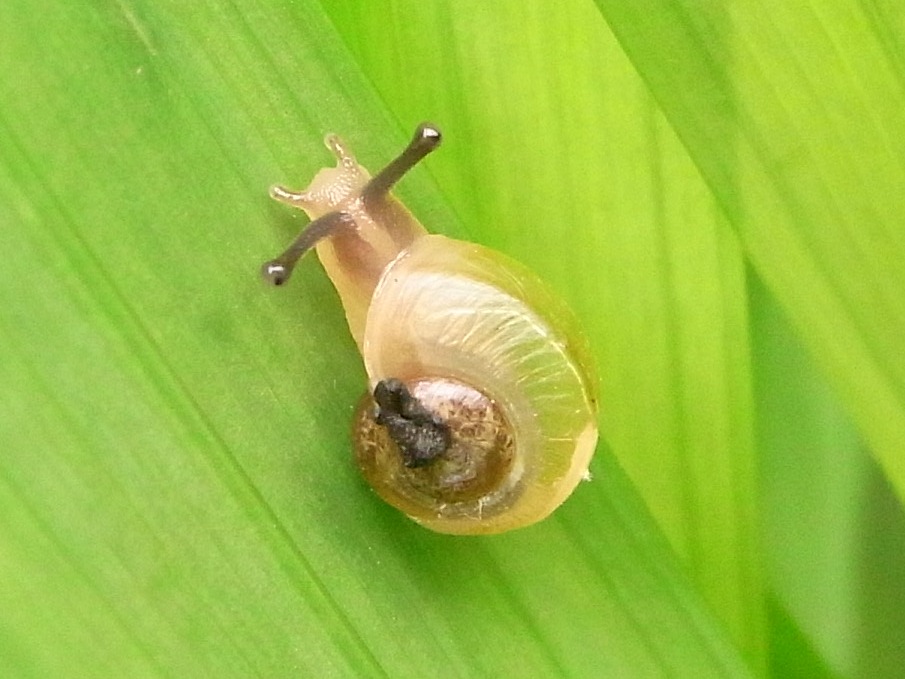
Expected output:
(289, 197)
(278, 270)
(427, 137)
(341, 152)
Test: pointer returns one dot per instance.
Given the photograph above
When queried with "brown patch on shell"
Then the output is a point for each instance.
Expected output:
(462, 481)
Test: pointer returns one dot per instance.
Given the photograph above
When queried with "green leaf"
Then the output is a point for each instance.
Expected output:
(176, 491)
(571, 168)
(794, 116)
(793, 113)
(834, 528)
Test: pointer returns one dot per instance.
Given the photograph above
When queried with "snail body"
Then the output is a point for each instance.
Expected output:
(481, 414)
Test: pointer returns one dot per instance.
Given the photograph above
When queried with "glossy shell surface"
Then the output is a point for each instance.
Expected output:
(451, 309)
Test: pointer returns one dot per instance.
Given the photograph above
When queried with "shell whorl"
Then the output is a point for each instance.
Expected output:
(464, 313)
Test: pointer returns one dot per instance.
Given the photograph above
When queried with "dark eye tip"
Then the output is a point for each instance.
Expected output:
(275, 272)
(428, 135)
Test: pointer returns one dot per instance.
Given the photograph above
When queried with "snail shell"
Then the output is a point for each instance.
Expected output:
(482, 412)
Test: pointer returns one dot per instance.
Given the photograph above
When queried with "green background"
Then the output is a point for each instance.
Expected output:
(717, 189)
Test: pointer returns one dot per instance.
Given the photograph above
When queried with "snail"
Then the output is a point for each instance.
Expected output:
(481, 413)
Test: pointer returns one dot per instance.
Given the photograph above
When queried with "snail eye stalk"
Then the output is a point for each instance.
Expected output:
(426, 138)
(278, 270)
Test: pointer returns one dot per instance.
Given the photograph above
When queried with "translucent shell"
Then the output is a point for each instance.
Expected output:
(454, 310)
